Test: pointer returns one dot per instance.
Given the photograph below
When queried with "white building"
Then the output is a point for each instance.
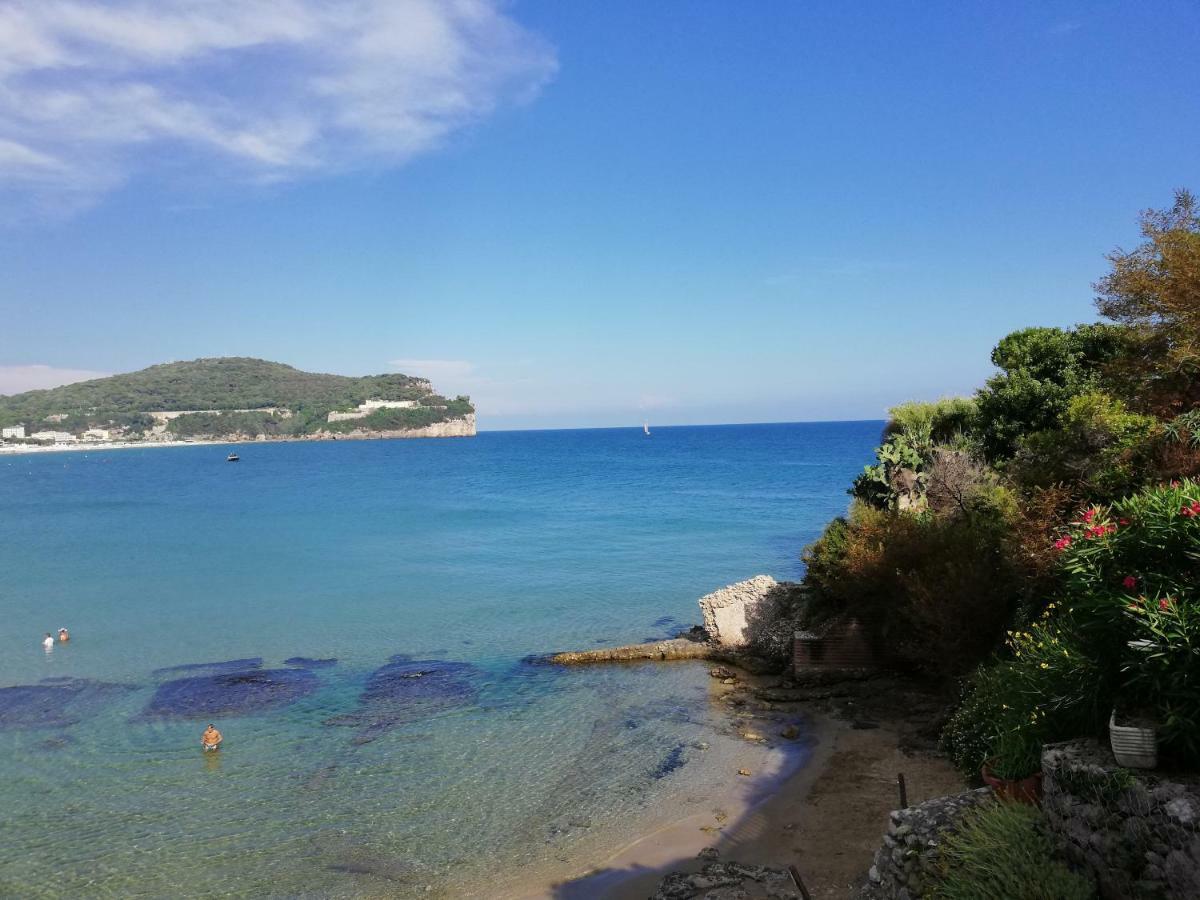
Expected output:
(14, 431)
(59, 437)
(96, 434)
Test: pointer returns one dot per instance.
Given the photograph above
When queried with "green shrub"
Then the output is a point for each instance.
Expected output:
(998, 851)
(1098, 444)
(942, 420)
(1047, 689)
(1042, 369)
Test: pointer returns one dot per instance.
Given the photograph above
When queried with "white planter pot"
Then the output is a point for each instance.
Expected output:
(1134, 748)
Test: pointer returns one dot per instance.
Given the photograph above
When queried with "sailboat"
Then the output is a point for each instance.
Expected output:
(646, 428)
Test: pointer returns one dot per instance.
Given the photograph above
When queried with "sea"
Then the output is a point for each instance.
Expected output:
(364, 622)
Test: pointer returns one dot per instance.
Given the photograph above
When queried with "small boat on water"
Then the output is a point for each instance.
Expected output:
(646, 428)
(232, 457)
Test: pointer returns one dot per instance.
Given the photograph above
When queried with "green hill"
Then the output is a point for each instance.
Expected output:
(245, 396)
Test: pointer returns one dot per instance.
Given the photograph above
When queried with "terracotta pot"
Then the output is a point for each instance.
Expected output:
(1134, 747)
(1022, 790)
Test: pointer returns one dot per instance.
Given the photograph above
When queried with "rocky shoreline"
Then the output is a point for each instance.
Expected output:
(464, 427)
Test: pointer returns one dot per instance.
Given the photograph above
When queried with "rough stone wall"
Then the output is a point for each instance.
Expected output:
(1138, 834)
(904, 864)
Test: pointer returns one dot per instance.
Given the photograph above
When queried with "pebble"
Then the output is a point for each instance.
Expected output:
(744, 772)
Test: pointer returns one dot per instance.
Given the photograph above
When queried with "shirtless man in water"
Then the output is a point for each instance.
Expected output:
(211, 739)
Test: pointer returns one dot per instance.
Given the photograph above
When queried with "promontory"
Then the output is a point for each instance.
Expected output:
(231, 399)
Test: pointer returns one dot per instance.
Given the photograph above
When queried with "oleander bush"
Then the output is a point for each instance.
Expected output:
(1000, 851)
(1133, 587)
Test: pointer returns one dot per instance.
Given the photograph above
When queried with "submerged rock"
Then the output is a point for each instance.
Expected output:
(229, 665)
(307, 662)
(406, 690)
(230, 693)
(673, 760)
(55, 702)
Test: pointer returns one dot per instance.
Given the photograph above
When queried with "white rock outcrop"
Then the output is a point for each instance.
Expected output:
(727, 611)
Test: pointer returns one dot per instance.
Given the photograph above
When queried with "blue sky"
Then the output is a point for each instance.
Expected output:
(579, 213)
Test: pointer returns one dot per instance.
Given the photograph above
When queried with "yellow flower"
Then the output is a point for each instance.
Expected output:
(1044, 665)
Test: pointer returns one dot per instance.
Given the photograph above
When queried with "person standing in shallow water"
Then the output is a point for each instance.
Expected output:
(63, 636)
(211, 739)
(48, 642)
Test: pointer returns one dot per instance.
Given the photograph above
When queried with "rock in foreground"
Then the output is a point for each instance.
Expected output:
(677, 648)
(758, 614)
(729, 881)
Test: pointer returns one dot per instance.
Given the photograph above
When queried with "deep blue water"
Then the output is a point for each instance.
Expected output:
(476, 552)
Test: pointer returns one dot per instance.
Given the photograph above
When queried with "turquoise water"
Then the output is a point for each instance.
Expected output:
(477, 552)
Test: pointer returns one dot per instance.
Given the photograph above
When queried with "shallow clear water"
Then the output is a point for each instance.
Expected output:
(478, 551)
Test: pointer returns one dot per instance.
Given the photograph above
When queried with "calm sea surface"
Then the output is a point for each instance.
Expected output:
(464, 555)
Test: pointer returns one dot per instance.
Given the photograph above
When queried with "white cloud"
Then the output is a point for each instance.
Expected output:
(262, 89)
(18, 379)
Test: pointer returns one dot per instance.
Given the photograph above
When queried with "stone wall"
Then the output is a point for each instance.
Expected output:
(1139, 834)
(904, 864)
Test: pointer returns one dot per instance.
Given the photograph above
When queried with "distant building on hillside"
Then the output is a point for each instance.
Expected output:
(366, 408)
(56, 418)
(59, 437)
(96, 434)
(13, 431)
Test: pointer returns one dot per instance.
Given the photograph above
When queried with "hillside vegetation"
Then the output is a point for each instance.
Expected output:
(258, 397)
(1042, 538)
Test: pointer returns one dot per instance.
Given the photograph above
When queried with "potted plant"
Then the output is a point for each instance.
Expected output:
(1014, 769)
(1134, 739)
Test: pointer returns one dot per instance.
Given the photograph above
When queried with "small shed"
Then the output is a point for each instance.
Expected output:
(841, 644)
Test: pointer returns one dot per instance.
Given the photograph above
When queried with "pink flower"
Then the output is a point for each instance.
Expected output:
(1174, 484)
(1089, 515)
(1187, 512)
(1124, 521)
(1130, 582)
(1195, 507)
(1063, 542)
(1164, 604)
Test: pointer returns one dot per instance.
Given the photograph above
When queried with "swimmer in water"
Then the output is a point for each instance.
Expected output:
(211, 739)
(63, 637)
(48, 643)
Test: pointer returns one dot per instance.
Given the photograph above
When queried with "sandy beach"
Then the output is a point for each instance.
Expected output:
(821, 804)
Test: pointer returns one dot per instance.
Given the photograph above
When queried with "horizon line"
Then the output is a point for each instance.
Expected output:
(684, 425)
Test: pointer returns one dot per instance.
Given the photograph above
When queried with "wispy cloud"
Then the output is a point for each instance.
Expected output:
(18, 379)
(265, 90)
